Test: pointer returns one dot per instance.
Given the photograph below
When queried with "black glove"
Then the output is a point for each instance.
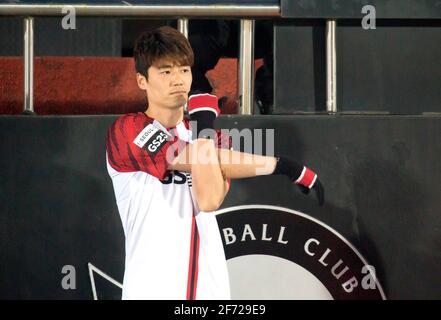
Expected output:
(203, 109)
(302, 176)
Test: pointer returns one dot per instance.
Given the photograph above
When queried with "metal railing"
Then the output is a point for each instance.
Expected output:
(246, 67)
(183, 26)
(28, 57)
(331, 66)
(143, 10)
(182, 13)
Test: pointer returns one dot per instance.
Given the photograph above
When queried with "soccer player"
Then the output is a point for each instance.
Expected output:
(169, 176)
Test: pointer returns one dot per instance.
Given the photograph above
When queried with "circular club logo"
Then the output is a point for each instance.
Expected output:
(278, 253)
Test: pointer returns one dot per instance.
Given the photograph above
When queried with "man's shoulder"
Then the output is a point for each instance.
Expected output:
(131, 121)
(134, 117)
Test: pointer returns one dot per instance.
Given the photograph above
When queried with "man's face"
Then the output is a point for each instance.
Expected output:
(167, 84)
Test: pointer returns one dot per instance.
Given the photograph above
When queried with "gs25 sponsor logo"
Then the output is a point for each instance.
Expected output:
(155, 144)
(177, 177)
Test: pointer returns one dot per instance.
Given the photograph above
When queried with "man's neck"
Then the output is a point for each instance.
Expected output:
(167, 117)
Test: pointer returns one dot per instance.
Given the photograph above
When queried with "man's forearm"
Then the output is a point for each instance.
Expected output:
(208, 182)
(234, 164)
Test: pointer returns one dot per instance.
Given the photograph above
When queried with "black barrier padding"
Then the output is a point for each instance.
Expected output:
(93, 36)
(299, 67)
(337, 9)
(393, 69)
(382, 177)
(57, 206)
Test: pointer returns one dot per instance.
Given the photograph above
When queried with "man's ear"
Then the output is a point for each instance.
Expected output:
(141, 80)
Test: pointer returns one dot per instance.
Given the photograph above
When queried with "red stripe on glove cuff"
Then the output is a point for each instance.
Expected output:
(203, 101)
(307, 178)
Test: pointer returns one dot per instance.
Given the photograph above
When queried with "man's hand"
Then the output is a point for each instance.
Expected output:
(302, 176)
(319, 190)
(203, 109)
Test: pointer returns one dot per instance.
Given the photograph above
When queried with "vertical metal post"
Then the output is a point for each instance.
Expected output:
(246, 67)
(331, 66)
(28, 57)
(183, 26)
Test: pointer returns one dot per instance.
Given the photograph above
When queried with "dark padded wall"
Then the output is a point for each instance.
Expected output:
(93, 36)
(11, 40)
(299, 68)
(393, 69)
(57, 206)
(390, 9)
(382, 178)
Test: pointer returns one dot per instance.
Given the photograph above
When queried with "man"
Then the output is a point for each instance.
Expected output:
(168, 177)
